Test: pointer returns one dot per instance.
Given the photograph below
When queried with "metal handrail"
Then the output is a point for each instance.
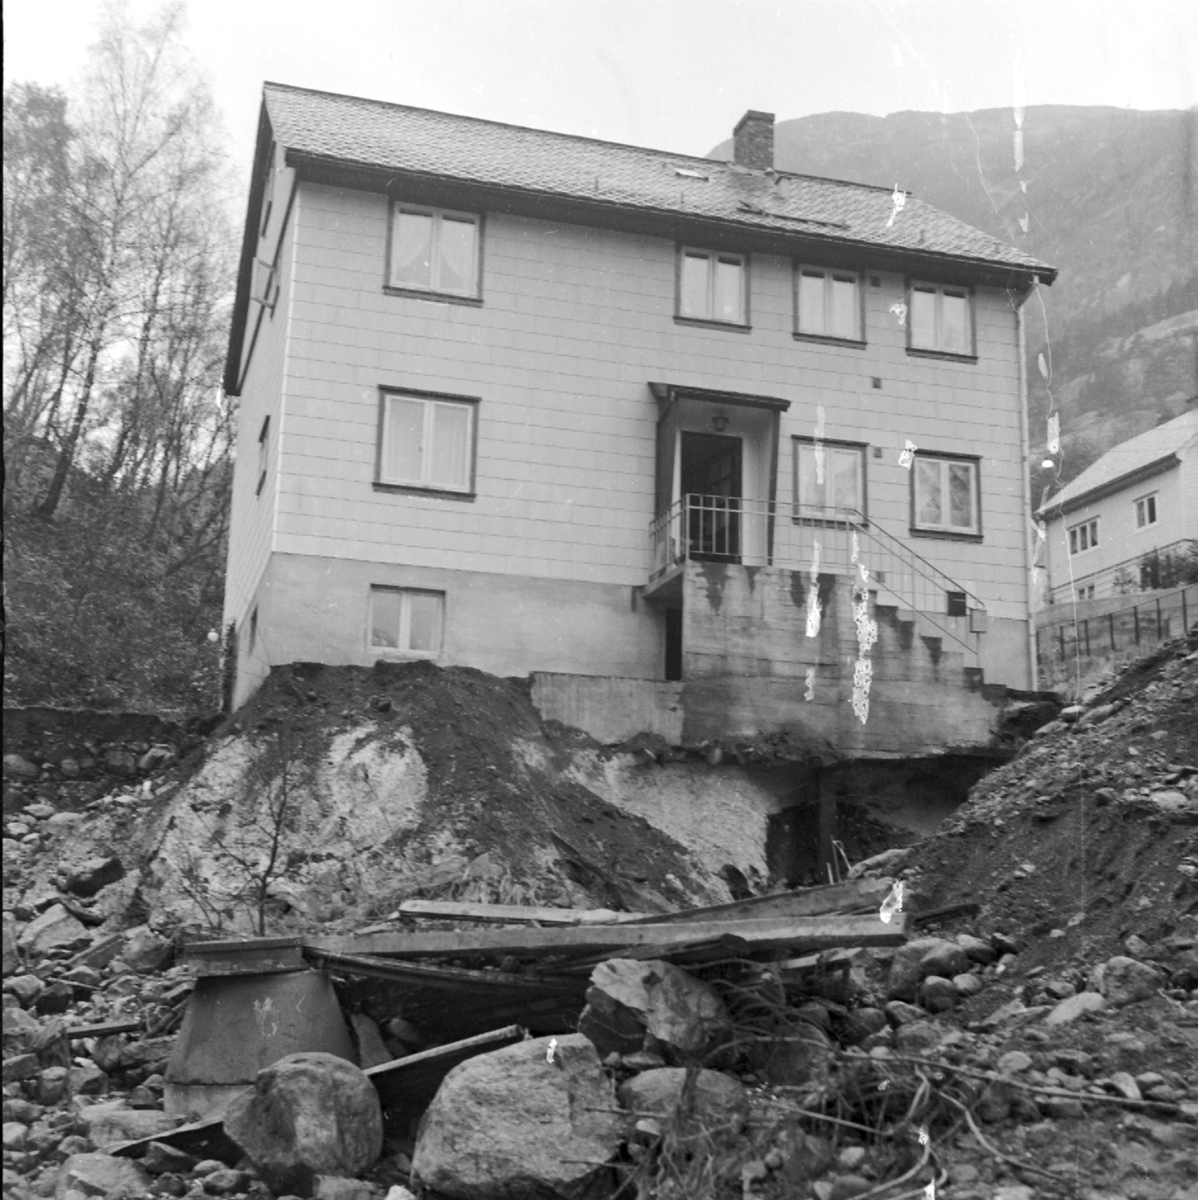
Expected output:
(764, 533)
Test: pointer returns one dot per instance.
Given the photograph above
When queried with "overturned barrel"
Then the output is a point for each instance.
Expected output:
(253, 1003)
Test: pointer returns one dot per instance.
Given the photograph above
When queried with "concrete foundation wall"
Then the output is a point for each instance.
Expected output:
(314, 609)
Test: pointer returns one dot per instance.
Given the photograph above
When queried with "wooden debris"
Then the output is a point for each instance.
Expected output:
(509, 914)
(842, 898)
(810, 933)
(257, 956)
(104, 1029)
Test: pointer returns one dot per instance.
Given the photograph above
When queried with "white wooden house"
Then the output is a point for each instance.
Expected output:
(541, 404)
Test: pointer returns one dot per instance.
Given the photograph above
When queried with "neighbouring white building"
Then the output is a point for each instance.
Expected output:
(1115, 527)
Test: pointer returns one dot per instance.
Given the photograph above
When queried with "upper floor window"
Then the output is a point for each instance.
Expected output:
(713, 286)
(829, 479)
(940, 320)
(828, 304)
(1083, 536)
(427, 442)
(434, 250)
(945, 496)
(1146, 511)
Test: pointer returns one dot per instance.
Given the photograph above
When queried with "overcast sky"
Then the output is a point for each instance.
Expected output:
(671, 74)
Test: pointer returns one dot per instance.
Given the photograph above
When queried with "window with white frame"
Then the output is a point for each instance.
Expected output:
(828, 304)
(1083, 537)
(712, 286)
(829, 478)
(427, 442)
(410, 620)
(1146, 511)
(434, 250)
(945, 495)
(940, 319)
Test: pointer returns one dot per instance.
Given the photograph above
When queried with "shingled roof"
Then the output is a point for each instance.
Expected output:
(394, 137)
(1129, 462)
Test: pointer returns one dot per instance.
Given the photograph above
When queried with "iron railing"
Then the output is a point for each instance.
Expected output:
(823, 541)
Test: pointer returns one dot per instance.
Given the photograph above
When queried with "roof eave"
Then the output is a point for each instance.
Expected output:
(1059, 508)
(249, 245)
(319, 168)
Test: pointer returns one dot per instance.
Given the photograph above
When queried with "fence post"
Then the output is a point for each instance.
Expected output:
(1111, 626)
(1135, 616)
(1086, 633)
(1159, 635)
(1061, 639)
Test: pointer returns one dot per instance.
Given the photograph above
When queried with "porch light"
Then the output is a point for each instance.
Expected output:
(1047, 465)
(719, 422)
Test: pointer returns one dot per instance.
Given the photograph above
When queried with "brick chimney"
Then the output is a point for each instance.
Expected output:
(753, 141)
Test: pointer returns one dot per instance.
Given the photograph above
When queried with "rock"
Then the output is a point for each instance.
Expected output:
(161, 1158)
(938, 994)
(53, 1086)
(917, 1037)
(225, 1182)
(967, 985)
(859, 1023)
(56, 998)
(16, 1109)
(18, 767)
(20, 1066)
(629, 998)
(112, 1122)
(920, 958)
(1125, 1085)
(39, 810)
(53, 928)
(87, 1081)
(899, 1012)
(372, 1051)
(139, 1055)
(70, 768)
(154, 758)
(1061, 1107)
(26, 988)
(1071, 714)
(1125, 980)
(337, 1187)
(100, 1175)
(145, 951)
(61, 821)
(978, 950)
(94, 874)
(844, 1187)
(1013, 1062)
(12, 961)
(1070, 1009)
(120, 762)
(307, 1114)
(801, 1058)
(510, 1123)
(719, 1102)
(16, 1135)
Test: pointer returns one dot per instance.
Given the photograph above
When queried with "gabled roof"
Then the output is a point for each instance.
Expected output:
(495, 167)
(394, 137)
(1128, 463)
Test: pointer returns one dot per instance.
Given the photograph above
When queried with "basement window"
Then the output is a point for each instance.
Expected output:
(409, 620)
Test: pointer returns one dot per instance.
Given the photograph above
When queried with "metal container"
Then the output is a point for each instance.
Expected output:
(237, 1024)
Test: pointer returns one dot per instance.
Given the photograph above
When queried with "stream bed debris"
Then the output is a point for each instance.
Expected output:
(1024, 1026)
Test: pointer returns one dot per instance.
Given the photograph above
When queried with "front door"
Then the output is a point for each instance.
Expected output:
(711, 478)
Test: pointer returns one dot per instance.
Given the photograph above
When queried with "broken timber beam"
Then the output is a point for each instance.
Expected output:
(810, 933)
(460, 910)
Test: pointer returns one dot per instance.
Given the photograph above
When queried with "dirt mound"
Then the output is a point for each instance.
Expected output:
(1091, 833)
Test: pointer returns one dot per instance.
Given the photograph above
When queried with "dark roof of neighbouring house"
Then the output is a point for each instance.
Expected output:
(1128, 463)
(388, 146)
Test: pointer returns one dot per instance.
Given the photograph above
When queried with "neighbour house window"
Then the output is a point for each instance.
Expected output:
(945, 496)
(407, 619)
(940, 320)
(433, 250)
(253, 629)
(829, 479)
(427, 442)
(1146, 511)
(1083, 537)
(712, 286)
(828, 304)
(263, 454)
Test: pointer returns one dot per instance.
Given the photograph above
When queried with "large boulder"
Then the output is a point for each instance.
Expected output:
(93, 874)
(631, 998)
(53, 928)
(715, 1104)
(802, 1057)
(101, 1175)
(1126, 980)
(521, 1122)
(920, 958)
(307, 1114)
(113, 1122)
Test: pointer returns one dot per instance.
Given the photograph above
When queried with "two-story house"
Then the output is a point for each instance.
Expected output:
(712, 444)
(1112, 528)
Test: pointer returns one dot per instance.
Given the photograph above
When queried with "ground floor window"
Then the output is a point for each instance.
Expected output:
(407, 619)
(1083, 536)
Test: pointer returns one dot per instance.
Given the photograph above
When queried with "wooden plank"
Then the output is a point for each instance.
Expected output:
(104, 1029)
(254, 956)
(458, 910)
(808, 902)
(462, 1048)
(809, 933)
